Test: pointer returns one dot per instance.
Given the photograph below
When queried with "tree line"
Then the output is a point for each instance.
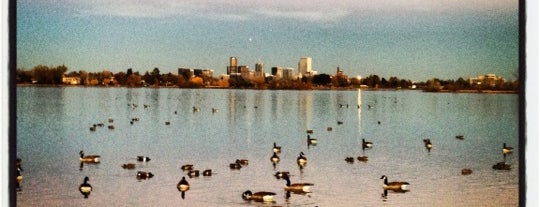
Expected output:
(50, 75)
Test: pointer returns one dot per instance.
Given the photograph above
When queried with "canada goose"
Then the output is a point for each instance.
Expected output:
(276, 149)
(146, 106)
(207, 172)
(502, 166)
(111, 126)
(398, 186)
(129, 166)
(460, 137)
(183, 186)
(280, 175)
(339, 122)
(19, 178)
(93, 128)
(187, 167)
(236, 165)
(366, 145)
(141, 175)
(506, 149)
(349, 159)
(85, 188)
(89, 158)
(301, 160)
(214, 110)
(143, 159)
(311, 141)
(466, 171)
(196, 109)
(111, 120)
(275, 158)
(362, 158)
(297, 187)
(167, 123)
(100, 125)
(259, 196)
(193, 173)
(428, 144)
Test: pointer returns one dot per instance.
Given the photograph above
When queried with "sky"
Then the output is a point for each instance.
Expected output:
(410, 39)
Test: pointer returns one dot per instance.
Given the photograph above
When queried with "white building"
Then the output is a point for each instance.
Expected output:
(304, 67)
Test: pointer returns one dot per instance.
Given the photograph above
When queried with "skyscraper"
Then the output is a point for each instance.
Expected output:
(259, 69)
(304, 66)
(233, 65)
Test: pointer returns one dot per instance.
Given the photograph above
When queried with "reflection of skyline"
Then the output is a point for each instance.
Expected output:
(306, 106)
(359, 105)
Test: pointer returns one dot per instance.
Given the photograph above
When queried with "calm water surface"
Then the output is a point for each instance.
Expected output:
(53, 126)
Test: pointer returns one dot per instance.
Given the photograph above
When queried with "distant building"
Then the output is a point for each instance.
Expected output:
(488, 79)
(259, 69)
(288, 73)
(233, 66)
(277, 72)
(186, 73)
(304, 67)
(71, 80)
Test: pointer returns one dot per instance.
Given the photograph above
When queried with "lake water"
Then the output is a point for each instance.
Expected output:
(53, 126)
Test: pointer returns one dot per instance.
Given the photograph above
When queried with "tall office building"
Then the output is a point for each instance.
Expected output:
(259, 69)
(304, 66)
(233, 65)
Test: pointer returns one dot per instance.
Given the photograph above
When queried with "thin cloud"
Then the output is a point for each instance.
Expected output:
(314, 11)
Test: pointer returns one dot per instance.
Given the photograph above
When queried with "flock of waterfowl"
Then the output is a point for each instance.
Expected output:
(261, 196)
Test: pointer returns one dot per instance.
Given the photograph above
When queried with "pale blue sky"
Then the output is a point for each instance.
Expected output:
(412, 39)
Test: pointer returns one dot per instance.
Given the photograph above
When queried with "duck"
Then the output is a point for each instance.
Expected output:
(207, 172)
(167, 123)
(460, 137)
(275, 158)
(309, 131)
(296, 187)
(349, 159)
(141, 175)
(396, 186)
(261, 196)
(276, 149)
(111, 120)
(129, 166)
(329, 129)
(366, 145)
(280, 175)
(143, 159)
(507, 149)
(85, 188)
(236, 165)
(93, 128)
(301, 160)
(187, 167)
(502, 166)
(89, 158)
(19, 178)
(311, 141)
(183, 186)
(362, 158)
(243, 162)
(466, 171)
(110, 126)
(193, 173)
(428, 144)
(339, 122)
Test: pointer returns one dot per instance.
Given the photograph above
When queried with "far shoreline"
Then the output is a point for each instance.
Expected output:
(315, 88)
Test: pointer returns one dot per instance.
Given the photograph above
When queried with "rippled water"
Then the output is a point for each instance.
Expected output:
(53, 126)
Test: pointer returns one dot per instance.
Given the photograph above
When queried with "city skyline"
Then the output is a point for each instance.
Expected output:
(417, 40)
